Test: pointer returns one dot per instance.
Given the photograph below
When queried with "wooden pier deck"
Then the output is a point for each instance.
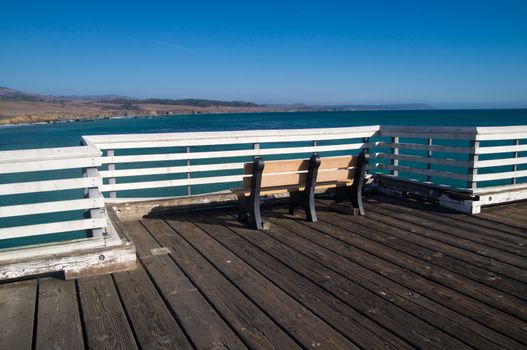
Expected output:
(406, 275)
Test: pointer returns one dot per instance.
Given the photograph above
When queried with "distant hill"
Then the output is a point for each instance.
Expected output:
(25, 107)
(7, 94)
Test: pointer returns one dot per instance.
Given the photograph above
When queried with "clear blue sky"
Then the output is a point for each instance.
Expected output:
(445, 53)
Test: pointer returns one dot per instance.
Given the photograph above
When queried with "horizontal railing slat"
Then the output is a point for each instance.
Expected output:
(420, 147)
(487, 133)
(501, 176)
(55, 164)
(501, 149)
(171, 183)
(228, 154)
(500, 162)
(54, 227)
(262, 134)
(170, 170)
(48, 154)
(431, 172)
(49, 185)
(422, 159)
(233, 141)
(51, 207)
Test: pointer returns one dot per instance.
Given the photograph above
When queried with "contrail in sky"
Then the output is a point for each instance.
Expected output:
(164, 43)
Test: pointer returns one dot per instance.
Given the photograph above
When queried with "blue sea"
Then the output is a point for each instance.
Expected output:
(69, 133)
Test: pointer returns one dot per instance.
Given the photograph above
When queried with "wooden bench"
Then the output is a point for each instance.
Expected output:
(300, 178)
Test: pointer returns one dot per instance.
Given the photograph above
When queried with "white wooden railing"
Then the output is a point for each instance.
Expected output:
(237, 147)
(467, 159)
(42, 161)
(487, 163)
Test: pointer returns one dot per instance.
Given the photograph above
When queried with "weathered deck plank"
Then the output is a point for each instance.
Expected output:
(105, 323)
(63, 330)
(17, 314)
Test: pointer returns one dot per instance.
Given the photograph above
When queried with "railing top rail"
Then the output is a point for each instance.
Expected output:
(41, 154)
(484, 130)
(118, 138)
(429, 129)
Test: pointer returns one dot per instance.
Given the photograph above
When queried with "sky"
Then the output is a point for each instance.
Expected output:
(444, 53)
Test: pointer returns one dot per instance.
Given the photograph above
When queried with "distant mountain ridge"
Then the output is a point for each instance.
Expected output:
(8, 94)
(18, 107)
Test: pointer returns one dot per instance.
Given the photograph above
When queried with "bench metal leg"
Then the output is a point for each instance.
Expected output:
(354, 193)
(309, 207)
(254, 212)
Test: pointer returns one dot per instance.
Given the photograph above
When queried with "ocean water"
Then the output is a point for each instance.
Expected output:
(68, 134)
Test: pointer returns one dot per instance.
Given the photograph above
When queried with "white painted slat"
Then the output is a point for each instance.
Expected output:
(502, 133)
(425, 132)
(502, 188)
(42, 165)
(502, 149)
(420, 159)
(51, 207)
(49, 154)
(228, 154)
(501, 176)
(500, 162)
(54, 227)
(431, 172)
(171, 183)
(419, 147)
(104, 139)
(232, 141)
(49, 185)
(170, 170)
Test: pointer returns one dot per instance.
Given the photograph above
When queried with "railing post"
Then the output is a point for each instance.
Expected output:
(94, 192)
(111, 167)
(255, 146)
(366, 150)
(429, 155)
(395, 151)
(473, 159)
(515, 166)
(189, 191)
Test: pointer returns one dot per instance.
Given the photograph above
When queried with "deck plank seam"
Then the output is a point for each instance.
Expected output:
(35, 319)
(126, 313)
(81, 316)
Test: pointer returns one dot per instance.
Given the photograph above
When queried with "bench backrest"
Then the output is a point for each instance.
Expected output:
(294, 172)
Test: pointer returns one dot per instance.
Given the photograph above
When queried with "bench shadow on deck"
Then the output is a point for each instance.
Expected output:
(406, 275)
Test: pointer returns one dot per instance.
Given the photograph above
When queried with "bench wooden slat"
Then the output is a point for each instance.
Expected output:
(284, 173)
